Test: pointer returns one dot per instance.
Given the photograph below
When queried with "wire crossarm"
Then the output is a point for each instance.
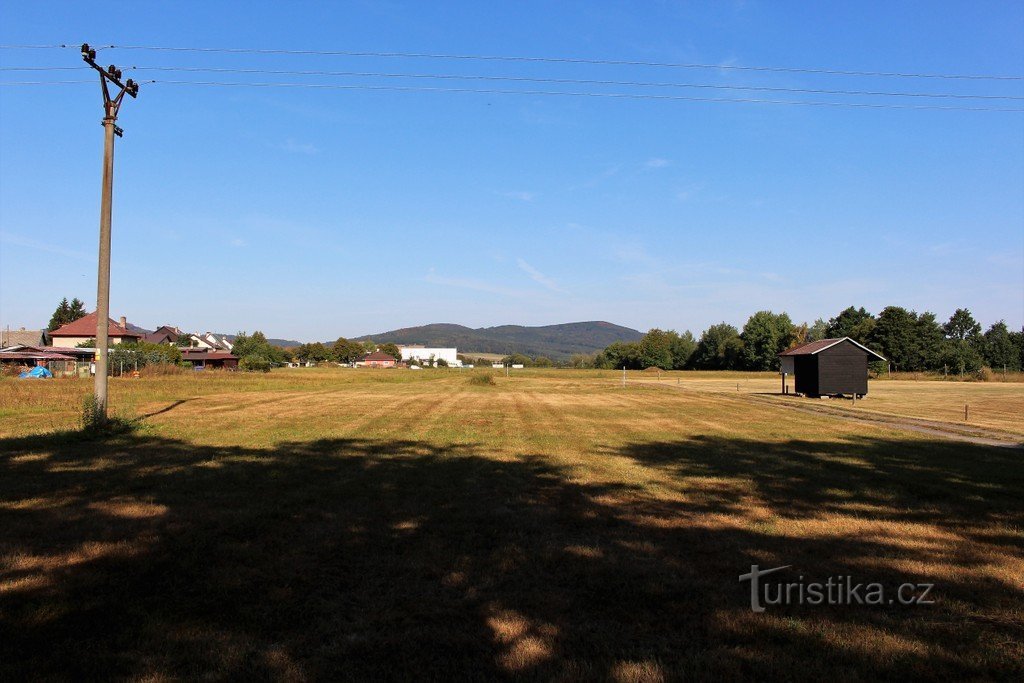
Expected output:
(111, 74)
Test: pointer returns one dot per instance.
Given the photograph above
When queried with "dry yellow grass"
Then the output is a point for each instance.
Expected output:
(384, 524)
(991, 405)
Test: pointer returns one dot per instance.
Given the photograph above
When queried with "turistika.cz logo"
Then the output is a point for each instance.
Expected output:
(837, 590)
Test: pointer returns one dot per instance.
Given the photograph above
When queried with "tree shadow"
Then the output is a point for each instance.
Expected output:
(140, 556)
(166, 409)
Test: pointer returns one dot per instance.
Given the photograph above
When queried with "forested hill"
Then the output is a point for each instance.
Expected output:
(554, 341)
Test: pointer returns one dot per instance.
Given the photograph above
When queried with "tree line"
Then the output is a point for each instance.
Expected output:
(342, 351)
(910, 341)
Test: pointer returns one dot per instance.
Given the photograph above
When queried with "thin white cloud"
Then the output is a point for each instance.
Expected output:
(594, 181)
(237, 242)
(521, 195)
(471, 284)
(538, 276)
(25, 242)
(294, 147)
(688, 192)
(657, 162)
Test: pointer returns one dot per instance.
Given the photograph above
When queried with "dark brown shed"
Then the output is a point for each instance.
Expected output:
(829, 367)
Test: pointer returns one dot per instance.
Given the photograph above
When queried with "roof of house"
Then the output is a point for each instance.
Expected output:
(163, 332)
(206, 354)
(378, 355)
(218, 341)
(814, 347)
(86, 327)
(22, 336)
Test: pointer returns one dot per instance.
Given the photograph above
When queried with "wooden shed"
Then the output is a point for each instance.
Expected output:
(829, 367)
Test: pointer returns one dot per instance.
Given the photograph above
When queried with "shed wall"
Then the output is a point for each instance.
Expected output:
(842, 369)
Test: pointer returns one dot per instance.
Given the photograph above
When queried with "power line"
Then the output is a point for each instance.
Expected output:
(529, 79)
(557, 60)
(563, 93)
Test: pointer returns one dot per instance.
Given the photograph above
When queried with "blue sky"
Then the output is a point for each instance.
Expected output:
(312, 213)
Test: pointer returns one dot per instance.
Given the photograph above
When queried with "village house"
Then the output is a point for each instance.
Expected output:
(165, 334)
(84, 330)
(377, 359)
(208, 340)
(22, 337)
(202, 359)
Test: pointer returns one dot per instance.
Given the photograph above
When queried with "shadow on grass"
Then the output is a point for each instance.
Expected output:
(139, 556)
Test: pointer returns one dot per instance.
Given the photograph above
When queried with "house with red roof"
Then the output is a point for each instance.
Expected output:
(377, 359)
(84, 329)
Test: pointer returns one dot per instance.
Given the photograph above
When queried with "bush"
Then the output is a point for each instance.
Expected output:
(482, 380)
(92, 418)
(255, 364)
(95, 424)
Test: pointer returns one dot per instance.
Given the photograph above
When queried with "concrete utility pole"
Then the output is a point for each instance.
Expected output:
(111, 105)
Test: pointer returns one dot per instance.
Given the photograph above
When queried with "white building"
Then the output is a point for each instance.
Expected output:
(426, 354)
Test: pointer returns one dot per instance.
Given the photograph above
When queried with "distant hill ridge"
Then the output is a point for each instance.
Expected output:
(554, 341)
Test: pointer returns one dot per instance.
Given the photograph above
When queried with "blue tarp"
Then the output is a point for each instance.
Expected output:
(37, 372)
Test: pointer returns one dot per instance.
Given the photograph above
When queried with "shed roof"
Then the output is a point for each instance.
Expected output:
(86, 327)
(814, 347)
(379, 355)
(34, 353)
(206, 354)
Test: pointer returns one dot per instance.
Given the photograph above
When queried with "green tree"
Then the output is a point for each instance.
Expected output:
(582, 360)
(655, 349)
(855, 323)
(719, 348)
(66, 313)
(765, 335)
(255, 347)
(392, 350)
(318, 352)
(286, 353)
(77, 309)
(962, 325)
(1017, 339)
(542, 362)
(895, 336)
(253, 363)
(683, 347)
(960, 356)
(817, 331)
(930, 343)
(440, 362)
(345, 351)
(339, 350)
(60, 315)
(140, 354)
(1000, 351)
(518, 359)
(618, 355)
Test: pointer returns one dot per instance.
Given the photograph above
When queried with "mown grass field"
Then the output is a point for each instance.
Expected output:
(312, 524)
